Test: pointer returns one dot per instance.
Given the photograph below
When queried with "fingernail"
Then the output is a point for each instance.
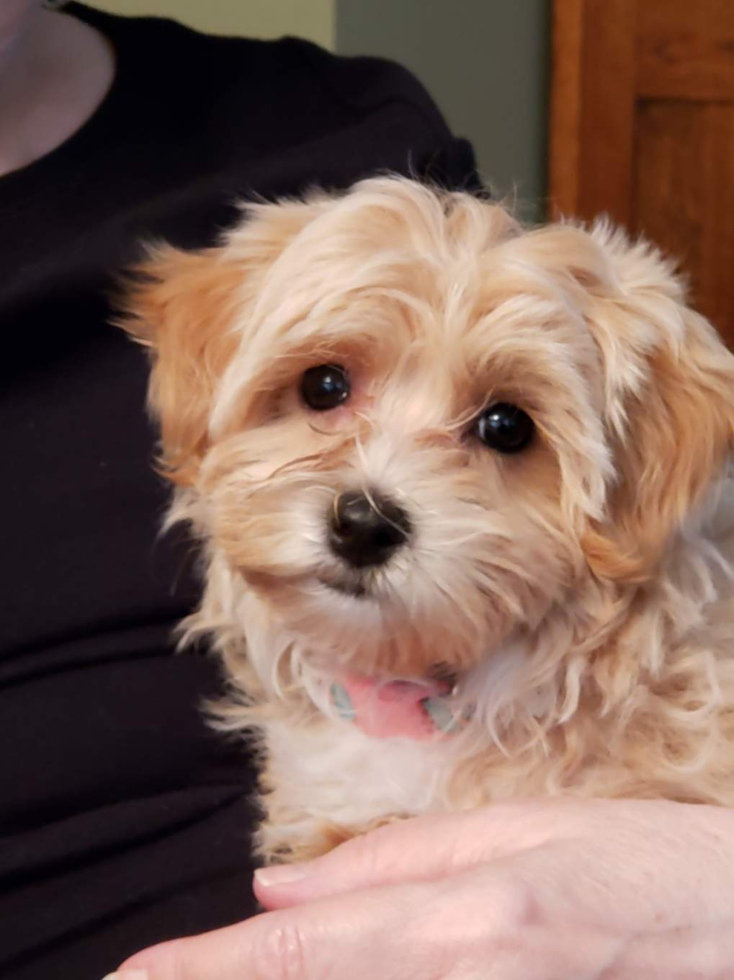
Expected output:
(127, 975)
(278, 874)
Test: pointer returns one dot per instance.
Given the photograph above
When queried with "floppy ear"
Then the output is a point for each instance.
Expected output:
(670, 410)
(184, 308)
(192, 309)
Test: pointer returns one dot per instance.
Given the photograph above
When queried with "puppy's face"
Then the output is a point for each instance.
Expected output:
(415, 429)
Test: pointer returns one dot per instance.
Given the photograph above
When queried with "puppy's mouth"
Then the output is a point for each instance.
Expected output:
(416, 709)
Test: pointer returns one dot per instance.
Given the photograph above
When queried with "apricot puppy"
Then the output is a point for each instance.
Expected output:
(463, 496)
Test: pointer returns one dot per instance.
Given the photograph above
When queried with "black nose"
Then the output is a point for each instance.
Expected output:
(367, 530)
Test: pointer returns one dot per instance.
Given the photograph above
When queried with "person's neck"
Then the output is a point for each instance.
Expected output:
(54, 72)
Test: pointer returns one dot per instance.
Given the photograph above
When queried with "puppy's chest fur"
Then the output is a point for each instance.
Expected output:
(327, 781)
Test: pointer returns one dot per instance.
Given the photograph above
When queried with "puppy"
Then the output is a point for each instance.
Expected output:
(461, 488)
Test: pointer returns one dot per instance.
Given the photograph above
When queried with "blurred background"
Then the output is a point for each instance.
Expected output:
(485, 62)
(574, 107)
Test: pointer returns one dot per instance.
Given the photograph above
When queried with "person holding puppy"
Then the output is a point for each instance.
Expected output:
(125, 820)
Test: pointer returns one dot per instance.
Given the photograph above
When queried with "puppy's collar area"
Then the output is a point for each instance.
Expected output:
(420, 710)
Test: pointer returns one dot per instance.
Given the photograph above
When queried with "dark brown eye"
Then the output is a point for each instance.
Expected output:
(325, 387)
(505, 428)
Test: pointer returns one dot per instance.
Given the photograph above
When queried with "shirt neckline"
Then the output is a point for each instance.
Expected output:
(73, 147)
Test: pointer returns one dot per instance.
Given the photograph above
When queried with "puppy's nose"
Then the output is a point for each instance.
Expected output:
(367, 530)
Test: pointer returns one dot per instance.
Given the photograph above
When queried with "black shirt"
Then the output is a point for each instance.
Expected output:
(123, 819)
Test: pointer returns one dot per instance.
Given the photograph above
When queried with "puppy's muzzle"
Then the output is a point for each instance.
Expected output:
(367, 530)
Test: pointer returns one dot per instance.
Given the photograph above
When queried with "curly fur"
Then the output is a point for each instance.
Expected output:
(580, 591)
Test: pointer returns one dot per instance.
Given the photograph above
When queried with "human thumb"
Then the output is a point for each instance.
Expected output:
(414, 850)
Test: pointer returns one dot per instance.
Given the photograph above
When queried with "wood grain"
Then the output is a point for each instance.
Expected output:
(565, 106)
(642, 127)
(670, 189)
(684, 197)
(686, 50)
(593, 99)
(607, 120)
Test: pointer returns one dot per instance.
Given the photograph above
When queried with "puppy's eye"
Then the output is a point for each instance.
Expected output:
(325, 387)
(505, 428)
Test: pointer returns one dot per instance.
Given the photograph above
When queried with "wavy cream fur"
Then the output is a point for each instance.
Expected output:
(580, 590)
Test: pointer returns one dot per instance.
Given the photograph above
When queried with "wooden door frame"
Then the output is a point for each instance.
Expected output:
(591, 120)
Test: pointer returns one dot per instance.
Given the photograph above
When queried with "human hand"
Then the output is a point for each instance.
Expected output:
(556, 889)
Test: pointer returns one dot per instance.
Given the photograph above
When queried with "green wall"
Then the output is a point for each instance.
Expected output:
(486, 64)
(313, 19)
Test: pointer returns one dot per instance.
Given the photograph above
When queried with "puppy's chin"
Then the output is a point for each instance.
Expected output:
(362, 619)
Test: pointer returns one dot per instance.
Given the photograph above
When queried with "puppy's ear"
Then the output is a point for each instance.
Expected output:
(192, 310)
(670, 409)
(183, 307)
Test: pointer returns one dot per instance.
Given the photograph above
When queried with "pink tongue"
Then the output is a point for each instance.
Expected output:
(393, 708)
